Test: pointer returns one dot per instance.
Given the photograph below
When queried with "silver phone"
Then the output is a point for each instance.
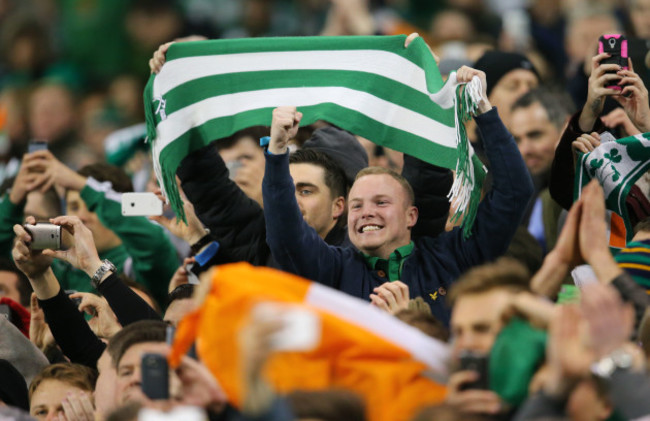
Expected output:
(44, 236)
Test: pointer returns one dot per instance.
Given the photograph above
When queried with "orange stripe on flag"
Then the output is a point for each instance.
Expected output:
(617, 231)
(350, 355)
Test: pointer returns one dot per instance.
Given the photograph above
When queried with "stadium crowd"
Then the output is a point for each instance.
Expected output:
(538, 312)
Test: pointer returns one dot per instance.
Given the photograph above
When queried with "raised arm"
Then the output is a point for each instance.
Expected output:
(68, 326)
(500, 212)
(295, 246)
(234, 220)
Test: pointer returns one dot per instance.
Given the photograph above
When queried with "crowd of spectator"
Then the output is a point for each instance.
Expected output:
(542, 308)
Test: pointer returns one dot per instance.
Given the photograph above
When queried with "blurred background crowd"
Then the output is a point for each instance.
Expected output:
(72, 72)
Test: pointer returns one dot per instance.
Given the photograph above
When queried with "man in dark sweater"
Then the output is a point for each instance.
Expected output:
(381, 216)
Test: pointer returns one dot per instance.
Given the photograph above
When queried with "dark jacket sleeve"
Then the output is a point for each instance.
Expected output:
(295, 246)
(431, 184)
(541, 406)
(633, 293)
(502, 209)
(563, 168)
(235, 220)
(629, 392)
(71, 331)
(126, 304)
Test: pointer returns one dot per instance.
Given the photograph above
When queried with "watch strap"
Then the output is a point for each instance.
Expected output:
(205, 240)
(101, 271)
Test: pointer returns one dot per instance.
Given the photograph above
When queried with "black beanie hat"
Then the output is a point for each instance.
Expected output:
(496, 64)
(342, 147)
(13, 389)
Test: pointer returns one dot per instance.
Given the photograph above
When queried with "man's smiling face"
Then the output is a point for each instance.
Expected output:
(380, 215)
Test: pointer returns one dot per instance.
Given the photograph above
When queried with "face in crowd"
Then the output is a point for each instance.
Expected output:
(511, 86)
(380, 215)
(128, 387)
(318, 206)
(476, 320)
(536, 137)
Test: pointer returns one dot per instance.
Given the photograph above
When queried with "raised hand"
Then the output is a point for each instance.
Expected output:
(83, 253)
(391, 297)
(602, 75)
(33, 263)
(634, 99)
(104, 322)
(284, 127)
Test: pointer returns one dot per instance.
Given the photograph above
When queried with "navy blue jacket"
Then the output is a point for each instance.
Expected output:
(434, 262)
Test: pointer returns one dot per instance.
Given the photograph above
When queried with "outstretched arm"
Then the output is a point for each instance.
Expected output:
(295, 246)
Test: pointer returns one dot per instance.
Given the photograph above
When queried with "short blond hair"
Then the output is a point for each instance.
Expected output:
(505, 273)
(76, 375)
(400, 179)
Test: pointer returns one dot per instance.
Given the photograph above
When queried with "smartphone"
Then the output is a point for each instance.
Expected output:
(44, 236)
(155, 376)
(141, 204)
(616, 46)
(36, 145)
(478, 362)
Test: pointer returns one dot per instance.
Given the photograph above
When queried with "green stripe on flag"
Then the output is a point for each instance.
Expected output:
(371, 86)
(384, 88)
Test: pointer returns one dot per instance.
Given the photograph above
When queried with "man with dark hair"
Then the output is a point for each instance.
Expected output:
(381, 216)
(180, 302)
(321, 188)
(237, 222)
(536, 122)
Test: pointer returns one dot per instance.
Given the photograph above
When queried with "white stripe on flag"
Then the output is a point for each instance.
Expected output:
(385, 112)
(383, 63)
(424, 349)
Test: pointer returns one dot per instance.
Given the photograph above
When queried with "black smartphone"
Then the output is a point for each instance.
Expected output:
(473, 361)
(616, 46)
(155, 376)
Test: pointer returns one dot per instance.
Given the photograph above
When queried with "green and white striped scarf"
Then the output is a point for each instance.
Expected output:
(617, 165)
(370, 86)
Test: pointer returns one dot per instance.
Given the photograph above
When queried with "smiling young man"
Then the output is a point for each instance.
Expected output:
(381, 216)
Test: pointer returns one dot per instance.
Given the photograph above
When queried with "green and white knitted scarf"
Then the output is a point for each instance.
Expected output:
(617, 165)
(370, 86)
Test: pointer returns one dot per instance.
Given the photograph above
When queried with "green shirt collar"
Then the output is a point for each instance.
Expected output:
(392, 267)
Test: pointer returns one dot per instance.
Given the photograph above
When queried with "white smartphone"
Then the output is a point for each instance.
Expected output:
(141, 204)
(301, 331)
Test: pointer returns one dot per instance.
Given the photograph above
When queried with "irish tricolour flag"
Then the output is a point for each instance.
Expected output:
(372, 86)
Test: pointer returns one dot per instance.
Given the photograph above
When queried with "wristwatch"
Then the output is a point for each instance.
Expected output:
(99, 274)
(605, 367)
(205, 240)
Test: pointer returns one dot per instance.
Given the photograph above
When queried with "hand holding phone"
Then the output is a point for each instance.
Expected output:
(478, 363)
(44, 236)
(616, 46)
